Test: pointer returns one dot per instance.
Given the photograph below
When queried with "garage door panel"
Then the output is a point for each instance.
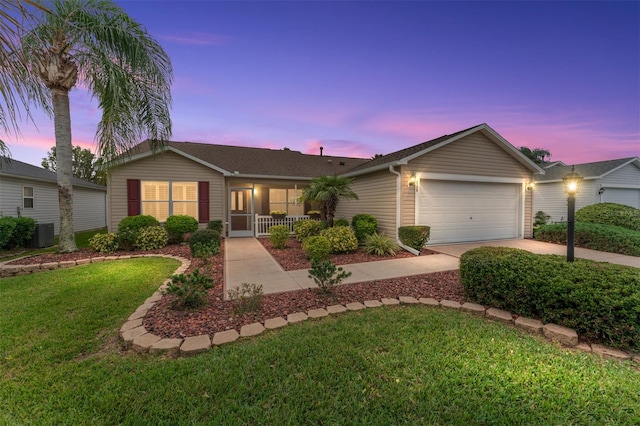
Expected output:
(626, 196)
(468, 211)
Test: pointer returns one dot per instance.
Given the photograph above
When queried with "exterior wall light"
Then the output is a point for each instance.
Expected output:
(572, 182)
(530, 185)
(412, 179)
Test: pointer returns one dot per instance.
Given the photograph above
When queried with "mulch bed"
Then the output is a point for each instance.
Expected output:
(219, 315)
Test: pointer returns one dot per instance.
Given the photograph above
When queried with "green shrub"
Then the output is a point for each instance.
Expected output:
(7, 226)
(363, 225)
(104, 243)
(340, 222)
(380, 245)
(305, 228)
(278, 235)
(216, 225)
(204, 251)
(151, 238)
(21, 233)
(609, 238)
(178, 225)
(541, 218)
(204, 240)
(414, 236)
(246, 298)
(128, 229)
(326, 275)
(342, 239)
(610, 214)
(601, 301)
(316, 247)
(190, 290)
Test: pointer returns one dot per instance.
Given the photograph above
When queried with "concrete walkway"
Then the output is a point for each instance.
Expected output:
(247, 261)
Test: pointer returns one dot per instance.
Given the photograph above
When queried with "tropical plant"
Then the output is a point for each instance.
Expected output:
(328, 190)
(85, 165)
(380, 245)
(96, 45)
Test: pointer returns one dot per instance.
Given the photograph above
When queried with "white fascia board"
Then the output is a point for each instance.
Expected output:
(542, 182)
(249, 176)
(619, 186)
(469, 178)
(443, 143)
(635, 160)
(377, 168)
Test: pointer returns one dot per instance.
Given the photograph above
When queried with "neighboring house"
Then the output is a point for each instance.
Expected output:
(467, 186)
(612, 181)
(31, 191)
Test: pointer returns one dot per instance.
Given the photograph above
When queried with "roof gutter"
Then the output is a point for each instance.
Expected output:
(398, 199)
(375, 169)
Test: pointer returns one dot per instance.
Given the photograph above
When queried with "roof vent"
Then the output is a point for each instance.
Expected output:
(342, 163)
(329, 161)
(321, 149)
(235, 172)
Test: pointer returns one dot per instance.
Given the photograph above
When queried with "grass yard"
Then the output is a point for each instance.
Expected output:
(60, 363)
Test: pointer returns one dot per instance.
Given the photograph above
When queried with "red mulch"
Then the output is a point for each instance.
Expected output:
(218, 315)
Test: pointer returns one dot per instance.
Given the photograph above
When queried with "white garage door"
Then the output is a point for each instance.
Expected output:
(468, 211)
(627, 196)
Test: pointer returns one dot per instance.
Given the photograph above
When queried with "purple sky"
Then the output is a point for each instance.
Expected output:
(362, 78)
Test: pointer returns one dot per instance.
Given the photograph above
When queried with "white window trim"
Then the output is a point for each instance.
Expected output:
(32, 197)
(170, 196)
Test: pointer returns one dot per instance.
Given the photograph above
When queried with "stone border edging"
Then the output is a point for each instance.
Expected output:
(135, 334)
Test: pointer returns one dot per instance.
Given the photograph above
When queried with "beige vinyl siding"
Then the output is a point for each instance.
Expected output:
(528, 214)
(472, 155)
(377, 197)
(162, 167)
(89, 210)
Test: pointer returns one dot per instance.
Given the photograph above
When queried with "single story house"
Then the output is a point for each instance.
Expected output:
(468, 186)
(612, 181)
(31, 191)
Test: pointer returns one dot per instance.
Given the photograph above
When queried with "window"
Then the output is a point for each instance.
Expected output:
(164, 199)
(287, 200)
(27, 197)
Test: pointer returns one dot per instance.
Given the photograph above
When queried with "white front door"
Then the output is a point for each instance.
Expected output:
(459, 211)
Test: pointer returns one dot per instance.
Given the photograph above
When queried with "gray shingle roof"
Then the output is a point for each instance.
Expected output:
(263, 162)
(586, 170)
(19, 169)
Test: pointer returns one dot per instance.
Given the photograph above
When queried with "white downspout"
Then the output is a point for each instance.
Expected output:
(398, 200)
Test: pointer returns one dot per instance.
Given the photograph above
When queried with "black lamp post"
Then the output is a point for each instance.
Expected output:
(572, 183)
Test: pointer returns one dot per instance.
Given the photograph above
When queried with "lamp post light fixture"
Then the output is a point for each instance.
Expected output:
(572, 181)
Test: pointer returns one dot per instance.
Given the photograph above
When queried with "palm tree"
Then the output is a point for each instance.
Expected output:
(17, 86)
(95, 44)
(537, 155)
(328, 190)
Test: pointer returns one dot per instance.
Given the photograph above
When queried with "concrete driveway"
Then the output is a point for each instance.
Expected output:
(539, 247)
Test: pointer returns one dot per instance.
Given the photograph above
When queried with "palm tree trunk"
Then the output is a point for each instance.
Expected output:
(62, 124)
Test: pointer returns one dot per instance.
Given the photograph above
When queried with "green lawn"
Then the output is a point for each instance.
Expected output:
(60, 364)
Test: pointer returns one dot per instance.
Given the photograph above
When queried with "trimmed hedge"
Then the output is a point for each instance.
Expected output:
(610, 214)
(601, 301)
(342, 239)
(16, 231)
(609, 238)
(305, 228)
(414, 236)
(363, 225)
(316, 247)
(129, 227)
(178, 225)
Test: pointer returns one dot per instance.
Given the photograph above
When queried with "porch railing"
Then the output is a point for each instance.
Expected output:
(263, 223)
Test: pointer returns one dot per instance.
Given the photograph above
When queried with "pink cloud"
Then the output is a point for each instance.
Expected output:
(338, 148)
(197, 39)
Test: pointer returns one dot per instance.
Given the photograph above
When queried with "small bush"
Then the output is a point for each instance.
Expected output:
(246, 298)
(380, 245)
(316, 247)
(7, 226)
(104, 243)
(342, 239)
(541, 218)
(363, 225)
(204, 240)
(204, 251)
(151, 238)
(179, 225)
(190, 290)
(610, 214)
(305, 228)
(600, 301)
(609, 238)
(278, 235)
(340, 222)
(128, 229)
(414, 236)
(216, 225)
(326, 275)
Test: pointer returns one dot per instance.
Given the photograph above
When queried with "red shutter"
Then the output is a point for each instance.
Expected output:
(203, 202)
(133, 197)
